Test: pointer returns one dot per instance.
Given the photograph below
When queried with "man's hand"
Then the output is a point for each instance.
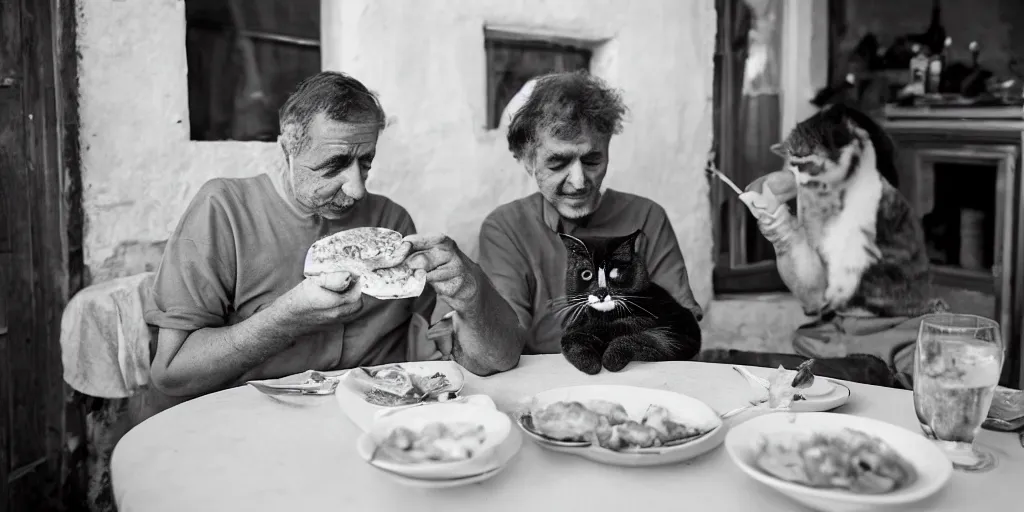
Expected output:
(450, 272)
(320, 300)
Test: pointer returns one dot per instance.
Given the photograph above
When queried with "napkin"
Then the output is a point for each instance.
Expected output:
(1007, 405)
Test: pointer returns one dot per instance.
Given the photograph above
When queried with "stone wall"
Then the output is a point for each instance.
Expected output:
(436, 158)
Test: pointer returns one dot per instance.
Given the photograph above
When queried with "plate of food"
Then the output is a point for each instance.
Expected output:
(310, 382)
(621, 425)
(441, 444)
(796, 390)
(364, 392)
(838, 462)
(372, 254)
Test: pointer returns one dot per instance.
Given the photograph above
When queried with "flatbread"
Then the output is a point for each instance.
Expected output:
(371, 254)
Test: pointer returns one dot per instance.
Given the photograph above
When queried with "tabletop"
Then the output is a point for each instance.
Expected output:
(242, 450)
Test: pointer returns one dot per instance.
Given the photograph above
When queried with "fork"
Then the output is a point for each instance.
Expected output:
(734, 412)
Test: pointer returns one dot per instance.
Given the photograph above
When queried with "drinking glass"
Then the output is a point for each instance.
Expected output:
(956, 369)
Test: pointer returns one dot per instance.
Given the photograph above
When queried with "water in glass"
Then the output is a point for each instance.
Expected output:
(958, 364)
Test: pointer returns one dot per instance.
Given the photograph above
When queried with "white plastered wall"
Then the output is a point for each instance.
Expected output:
(426, 60)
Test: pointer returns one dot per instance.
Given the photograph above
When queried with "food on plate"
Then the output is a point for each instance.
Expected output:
(608, 424)
(787, 386)
(566, 421)
(393, 385)
(370, 253)
(615, 413)
(315, 377)
(435, 442)
(847, 459)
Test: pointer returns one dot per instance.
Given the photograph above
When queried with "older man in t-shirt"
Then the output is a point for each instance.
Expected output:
(231, 300)
(561, 136)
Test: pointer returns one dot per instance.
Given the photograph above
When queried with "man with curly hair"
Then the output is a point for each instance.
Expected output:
(561, 135)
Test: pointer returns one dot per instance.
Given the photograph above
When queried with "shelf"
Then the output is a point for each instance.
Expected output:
(956, 277)
(960, 113)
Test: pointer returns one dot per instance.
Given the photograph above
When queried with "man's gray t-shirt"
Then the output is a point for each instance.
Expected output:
(239, 246)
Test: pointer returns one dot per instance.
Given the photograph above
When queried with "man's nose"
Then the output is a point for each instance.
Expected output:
(355, 185)
(576, 179)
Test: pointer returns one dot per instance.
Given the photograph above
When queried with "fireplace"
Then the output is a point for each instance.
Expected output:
(960, 170)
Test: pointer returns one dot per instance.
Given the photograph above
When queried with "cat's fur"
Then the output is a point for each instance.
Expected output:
(871, 242)
(614, 314)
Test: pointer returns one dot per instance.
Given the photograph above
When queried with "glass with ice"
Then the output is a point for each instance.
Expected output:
(956, 369)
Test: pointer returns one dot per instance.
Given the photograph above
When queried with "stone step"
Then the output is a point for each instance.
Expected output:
(754, 322)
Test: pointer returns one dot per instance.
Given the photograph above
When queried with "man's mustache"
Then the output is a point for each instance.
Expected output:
(576, 193)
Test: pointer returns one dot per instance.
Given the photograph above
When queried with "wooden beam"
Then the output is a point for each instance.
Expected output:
(11, 158)
(73, 478)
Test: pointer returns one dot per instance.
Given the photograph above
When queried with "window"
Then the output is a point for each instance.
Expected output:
(747, 122)
(512, 61)
(244, 58)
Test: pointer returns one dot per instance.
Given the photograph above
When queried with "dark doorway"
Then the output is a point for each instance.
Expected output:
(40, 245)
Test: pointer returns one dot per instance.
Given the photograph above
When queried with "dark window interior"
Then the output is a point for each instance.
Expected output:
(513, 62)
(244, 58)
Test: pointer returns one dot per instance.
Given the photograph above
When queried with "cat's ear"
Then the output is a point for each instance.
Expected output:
(631, 244)
(778, 149)
(573, 244)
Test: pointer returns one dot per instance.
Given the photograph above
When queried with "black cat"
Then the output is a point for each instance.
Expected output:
(614, 314)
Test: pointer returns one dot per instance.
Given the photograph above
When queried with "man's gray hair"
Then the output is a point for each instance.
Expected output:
(565, 104)
(337, 95)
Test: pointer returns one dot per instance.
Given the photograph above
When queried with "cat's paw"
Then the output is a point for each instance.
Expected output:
(616, 358)
(578, 350)
(841, 287)
(590, 365)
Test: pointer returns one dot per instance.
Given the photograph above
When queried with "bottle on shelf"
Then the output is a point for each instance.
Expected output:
(918, 68)
(975, 50)
(936, 68)
(935, 36)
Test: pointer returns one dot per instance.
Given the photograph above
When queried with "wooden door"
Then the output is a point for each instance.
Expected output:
(34, 247)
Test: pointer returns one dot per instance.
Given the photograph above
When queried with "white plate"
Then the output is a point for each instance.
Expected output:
(496, 426)
(838, 396)
(503, 456)
(934, 469)
(635, 400)
(362, 413)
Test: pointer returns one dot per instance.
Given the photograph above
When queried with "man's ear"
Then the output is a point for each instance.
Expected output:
(573, 244)
(778, 150)
(529, 161)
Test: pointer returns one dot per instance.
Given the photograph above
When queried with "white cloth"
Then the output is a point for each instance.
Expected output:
(105, 340)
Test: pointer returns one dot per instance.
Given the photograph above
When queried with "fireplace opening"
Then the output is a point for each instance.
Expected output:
(960, 229)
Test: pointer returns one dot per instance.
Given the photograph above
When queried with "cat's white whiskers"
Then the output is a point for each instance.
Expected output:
(639, 306)
(577, 313)
(570, 307)
(625, 306)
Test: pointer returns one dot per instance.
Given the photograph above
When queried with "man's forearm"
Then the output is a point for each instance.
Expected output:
(208, 359)
(489, 338)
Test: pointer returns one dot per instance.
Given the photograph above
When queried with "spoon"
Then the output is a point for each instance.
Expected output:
(755, 381)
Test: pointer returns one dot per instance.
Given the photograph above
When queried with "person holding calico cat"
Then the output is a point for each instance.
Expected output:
(595, 274)
(854, 255)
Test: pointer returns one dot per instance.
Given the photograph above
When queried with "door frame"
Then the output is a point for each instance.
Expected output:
(44, 255)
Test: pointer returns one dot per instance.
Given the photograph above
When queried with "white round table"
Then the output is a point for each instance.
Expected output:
(241, 450)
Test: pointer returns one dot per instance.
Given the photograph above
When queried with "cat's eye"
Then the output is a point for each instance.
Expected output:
(586, 275)
(614, 274)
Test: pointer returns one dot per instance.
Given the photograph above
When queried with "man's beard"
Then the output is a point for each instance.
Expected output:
(336, 206)
(574, 212)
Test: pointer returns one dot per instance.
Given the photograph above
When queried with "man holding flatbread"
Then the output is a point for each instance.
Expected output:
(232, 300)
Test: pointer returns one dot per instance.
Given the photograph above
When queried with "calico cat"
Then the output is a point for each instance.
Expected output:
(871, 242)
(614, 314)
